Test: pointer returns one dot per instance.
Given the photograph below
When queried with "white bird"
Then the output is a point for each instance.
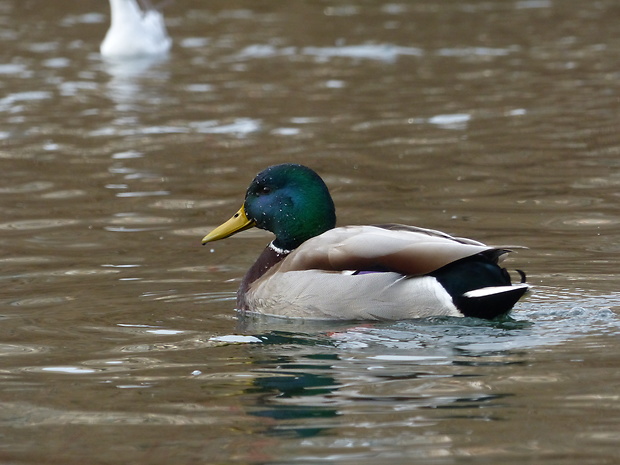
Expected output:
(135, 31)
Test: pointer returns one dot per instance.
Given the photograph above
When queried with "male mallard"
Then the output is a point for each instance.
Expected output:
(384, 272)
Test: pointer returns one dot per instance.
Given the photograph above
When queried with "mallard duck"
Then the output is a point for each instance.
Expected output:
(315, 270)
(135, 31)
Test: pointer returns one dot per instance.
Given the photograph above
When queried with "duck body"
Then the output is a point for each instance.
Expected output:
(382, 272)
(135, 32)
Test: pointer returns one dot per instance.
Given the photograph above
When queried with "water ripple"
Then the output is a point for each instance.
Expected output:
(21, 349)
(28, 187)
(37, 224)
(25, 414)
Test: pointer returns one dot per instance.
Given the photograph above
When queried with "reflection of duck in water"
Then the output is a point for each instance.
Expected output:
(314, 270)
(135, 31)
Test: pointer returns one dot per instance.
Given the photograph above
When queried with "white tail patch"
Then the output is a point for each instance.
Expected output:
(493, 290)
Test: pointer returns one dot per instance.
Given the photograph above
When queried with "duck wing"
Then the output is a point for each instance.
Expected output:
(403, 249)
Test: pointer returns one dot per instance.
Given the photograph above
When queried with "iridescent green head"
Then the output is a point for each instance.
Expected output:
(290, 200)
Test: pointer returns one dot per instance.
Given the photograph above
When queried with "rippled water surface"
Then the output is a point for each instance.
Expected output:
(496, 119)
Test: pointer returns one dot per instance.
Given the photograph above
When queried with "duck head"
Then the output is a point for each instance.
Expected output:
(290, 200)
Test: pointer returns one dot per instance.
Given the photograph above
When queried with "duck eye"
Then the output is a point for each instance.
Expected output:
(264, 190)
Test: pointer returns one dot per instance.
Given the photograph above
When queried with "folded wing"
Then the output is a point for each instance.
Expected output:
(403, 249)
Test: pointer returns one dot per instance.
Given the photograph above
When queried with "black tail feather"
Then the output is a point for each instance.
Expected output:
(491, 305)
(479, 287)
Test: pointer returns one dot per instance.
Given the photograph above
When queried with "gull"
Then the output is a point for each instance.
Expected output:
(135, 31)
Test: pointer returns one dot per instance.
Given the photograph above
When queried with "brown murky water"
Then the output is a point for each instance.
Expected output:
(493, 119)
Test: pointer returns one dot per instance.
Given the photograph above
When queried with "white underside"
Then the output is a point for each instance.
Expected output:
(314, 294)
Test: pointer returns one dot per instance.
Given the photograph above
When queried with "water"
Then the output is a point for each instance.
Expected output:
(495, 120)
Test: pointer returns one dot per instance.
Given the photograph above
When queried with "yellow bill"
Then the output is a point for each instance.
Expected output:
(239, 222)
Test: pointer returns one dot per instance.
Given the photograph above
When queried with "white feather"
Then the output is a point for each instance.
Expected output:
(486, 291)
(134, 32)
